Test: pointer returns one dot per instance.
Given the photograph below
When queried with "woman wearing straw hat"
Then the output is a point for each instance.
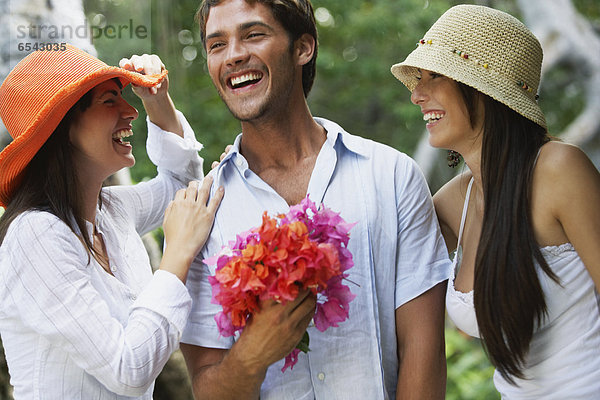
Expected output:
(81, 315)
(524, 218)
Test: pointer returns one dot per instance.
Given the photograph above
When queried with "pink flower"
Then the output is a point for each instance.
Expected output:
(224, 323)
(336, 308)
(291, 360)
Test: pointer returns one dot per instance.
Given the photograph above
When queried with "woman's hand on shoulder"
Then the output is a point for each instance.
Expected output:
(187, 224)
(572, 185)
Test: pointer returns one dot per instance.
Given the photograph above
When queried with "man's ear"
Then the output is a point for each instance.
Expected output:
(305, 48)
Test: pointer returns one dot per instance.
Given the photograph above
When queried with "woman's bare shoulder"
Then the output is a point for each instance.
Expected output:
(448, 201)
(451, 196)
(562, 165)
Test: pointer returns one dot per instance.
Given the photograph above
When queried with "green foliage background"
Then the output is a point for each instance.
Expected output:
(358, 42)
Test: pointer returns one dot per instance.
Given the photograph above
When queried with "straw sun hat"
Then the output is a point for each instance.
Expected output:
(486, 49)
(37, 94)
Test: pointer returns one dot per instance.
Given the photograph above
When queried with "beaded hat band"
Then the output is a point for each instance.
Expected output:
(486, 49)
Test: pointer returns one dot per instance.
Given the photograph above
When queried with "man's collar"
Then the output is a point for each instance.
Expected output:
(336, 132)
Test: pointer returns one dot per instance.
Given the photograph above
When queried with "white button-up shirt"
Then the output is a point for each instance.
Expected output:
(72, 331)
(398, 254)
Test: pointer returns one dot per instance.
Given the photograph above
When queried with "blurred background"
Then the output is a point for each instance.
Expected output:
(358, 42)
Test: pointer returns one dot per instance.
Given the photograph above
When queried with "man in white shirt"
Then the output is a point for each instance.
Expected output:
(261, 57)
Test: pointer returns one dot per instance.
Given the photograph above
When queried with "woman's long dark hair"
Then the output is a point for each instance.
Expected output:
(509, 300)
(50, 182)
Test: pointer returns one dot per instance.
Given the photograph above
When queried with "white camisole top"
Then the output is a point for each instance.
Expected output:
(564, 353)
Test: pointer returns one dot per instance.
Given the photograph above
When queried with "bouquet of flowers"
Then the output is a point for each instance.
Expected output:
(303, 249)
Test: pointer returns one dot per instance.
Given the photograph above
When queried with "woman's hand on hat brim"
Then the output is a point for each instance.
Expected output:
(146, 64)
(159, 106)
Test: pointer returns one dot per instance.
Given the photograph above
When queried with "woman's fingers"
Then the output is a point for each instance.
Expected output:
(215, 201)
(180, 195)
(191, 192)
(204, 191)
(196, 191)
(222, 156)
(146, 64)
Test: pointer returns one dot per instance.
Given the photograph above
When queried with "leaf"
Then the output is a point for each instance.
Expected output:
(303, 344)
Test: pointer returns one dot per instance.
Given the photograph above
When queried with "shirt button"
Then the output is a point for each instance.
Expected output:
(133, 297)
(113, 268)
(321, 376)
(239, 162)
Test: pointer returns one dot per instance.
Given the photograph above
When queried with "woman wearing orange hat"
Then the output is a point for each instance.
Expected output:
(81, 314)
(524, 218)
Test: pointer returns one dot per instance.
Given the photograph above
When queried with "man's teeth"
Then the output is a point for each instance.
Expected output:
(123, 133)
(238, 80)
(432, 116)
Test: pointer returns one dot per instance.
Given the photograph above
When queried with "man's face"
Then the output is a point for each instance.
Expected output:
(249, 59)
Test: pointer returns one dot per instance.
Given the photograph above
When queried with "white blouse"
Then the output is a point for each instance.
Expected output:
(71, 330)
(563, 361)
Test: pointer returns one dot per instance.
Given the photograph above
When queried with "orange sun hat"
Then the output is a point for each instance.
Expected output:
(38, 93)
